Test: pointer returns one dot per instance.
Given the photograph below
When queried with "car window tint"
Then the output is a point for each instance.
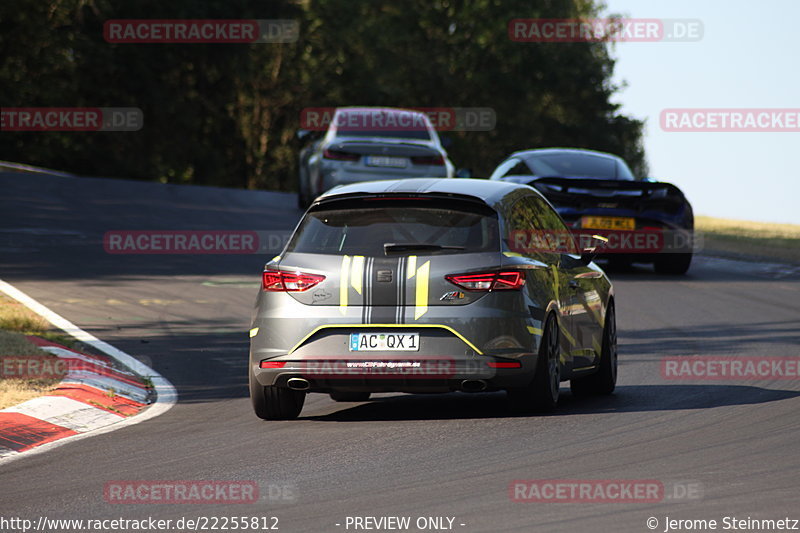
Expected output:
(363, 230)
(520, 169)
(382, 124)
(573, 165)
(623, 172)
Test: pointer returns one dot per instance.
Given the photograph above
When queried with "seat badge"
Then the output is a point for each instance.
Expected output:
(452, 295)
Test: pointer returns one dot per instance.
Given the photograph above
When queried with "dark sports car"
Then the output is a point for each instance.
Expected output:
(645, 221)
(418, 285)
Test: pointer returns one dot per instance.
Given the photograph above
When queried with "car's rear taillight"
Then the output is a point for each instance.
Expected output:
(503, 364)
(488, 281)
(286, 281)
(338, 155)
(272, 364)
(430, 160)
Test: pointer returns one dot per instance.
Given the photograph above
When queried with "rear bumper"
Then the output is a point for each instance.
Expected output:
(444, 359)
(342, 175)
(433, 375)
(455, 343)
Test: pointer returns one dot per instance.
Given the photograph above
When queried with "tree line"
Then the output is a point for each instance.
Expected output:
(227, 114)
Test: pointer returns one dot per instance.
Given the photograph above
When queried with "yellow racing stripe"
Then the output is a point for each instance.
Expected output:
(343, 286)
(421, 303)
(411, 269)
(357, 272)
(535, 331)
(393, 326)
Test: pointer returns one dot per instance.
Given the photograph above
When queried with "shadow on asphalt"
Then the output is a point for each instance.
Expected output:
(705, 269)
(711, 339)
(627, 399)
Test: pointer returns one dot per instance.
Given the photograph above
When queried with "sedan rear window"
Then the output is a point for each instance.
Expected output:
(382, 124)
(367, 226)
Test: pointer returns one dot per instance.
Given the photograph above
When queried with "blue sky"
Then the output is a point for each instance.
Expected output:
(747, 58)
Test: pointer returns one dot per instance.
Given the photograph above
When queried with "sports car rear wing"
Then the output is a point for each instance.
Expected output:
(586, 192)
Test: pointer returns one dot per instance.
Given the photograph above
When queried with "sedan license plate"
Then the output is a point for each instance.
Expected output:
(618, 223)
(384, 161)
(380, 342)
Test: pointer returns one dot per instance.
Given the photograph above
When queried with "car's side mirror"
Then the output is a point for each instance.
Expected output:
(463, 173)
(589, 253)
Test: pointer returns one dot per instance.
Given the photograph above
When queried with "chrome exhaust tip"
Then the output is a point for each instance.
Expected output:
(473, 385)
(298, 384)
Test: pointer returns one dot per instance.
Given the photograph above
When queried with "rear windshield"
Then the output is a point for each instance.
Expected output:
(577, 165)
(416, 134)
(382, 124)
(363, 227)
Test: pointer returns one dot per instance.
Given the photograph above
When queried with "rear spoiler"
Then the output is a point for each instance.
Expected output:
(565, 185)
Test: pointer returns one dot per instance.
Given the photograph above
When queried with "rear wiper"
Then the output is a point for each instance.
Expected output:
(393, 247)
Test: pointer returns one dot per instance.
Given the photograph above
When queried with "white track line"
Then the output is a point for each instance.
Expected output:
(166, 395)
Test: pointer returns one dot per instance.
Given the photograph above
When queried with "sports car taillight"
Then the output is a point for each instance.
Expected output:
(488, 281)
(285, 281)
(338, 155)
(431, 160)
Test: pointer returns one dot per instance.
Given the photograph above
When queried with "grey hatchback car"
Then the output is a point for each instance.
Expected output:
(431, 285)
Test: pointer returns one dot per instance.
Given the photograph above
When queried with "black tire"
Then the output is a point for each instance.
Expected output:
(673, 264)
(604, 381)
(541, 395)
(275, 403)
(349, 396)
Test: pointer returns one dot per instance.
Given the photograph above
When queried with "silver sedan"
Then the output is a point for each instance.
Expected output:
(370, 143)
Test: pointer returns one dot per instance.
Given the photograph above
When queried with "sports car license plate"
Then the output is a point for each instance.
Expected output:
(393, 342)
(619, 223)
(384, 161)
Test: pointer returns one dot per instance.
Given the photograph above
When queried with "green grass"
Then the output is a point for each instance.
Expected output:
(17, 321)
(16, 317)
(16, 349)
(779, 242)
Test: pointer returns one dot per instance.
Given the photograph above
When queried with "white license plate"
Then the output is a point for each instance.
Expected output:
(384, 342)
(384, 161)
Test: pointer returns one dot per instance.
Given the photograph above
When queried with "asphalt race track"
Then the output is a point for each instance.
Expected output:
(732, 444)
